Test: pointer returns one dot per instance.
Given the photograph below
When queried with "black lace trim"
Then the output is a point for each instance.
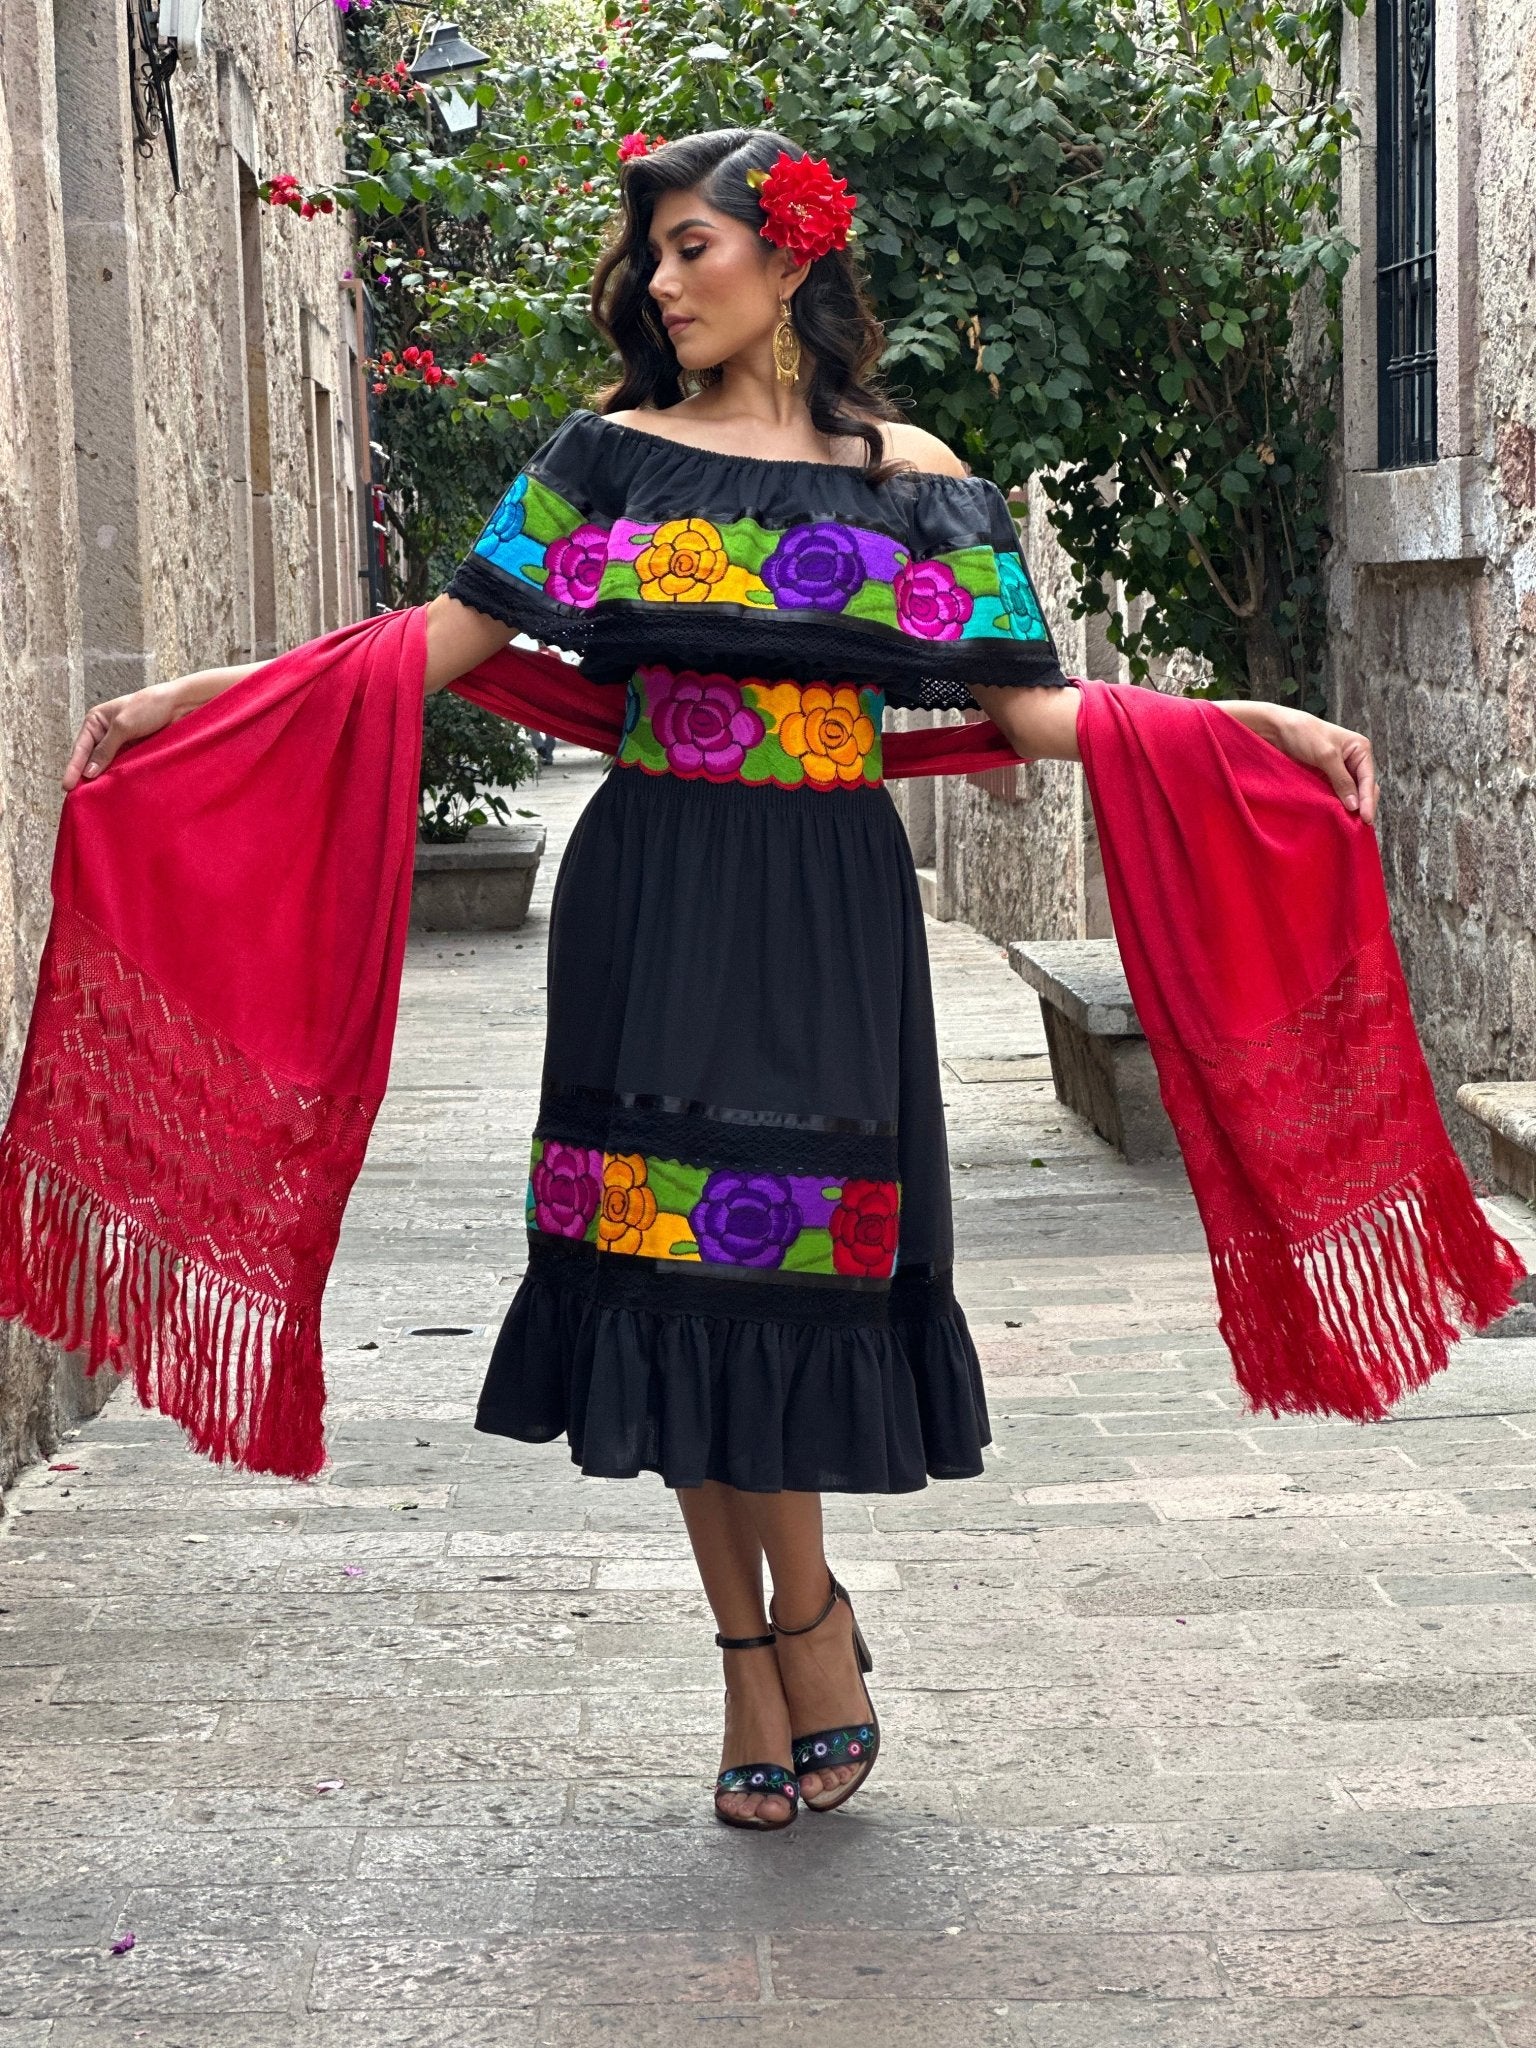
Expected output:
(698, 1135)
(745, 1294)
(678, 1105)
(617, 636)
(491, 590)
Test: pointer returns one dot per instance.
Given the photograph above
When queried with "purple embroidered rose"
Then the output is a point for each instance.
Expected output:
(815, 567)
(745, 1219)
(575, 564)
(567, 1187)
(701, 721)
(929, 602)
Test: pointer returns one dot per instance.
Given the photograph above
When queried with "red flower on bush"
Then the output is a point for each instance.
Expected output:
(865, 1226)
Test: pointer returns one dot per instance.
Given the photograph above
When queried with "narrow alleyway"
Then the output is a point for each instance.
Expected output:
(1203, 1732)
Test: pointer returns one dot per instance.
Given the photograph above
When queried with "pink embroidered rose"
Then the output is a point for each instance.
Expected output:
(567, 1187)
(575, 564)
(701, 722)
(929, 602)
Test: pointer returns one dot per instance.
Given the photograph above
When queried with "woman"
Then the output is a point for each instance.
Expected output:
(738, 1209)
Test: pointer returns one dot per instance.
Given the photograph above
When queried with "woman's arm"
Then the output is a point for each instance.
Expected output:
(1041, 724)
(458, 639)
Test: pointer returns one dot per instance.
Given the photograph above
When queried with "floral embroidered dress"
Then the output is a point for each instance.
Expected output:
(738, 1214)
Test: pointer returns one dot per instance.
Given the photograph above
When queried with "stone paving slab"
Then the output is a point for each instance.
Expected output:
(1203, 1728)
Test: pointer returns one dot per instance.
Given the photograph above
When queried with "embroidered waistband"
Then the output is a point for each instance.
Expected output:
(720, 728)
(756, 1223)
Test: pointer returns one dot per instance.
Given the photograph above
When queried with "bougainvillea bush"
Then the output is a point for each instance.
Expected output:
(1102, 237)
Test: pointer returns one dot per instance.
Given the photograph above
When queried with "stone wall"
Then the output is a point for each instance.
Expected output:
(1433, 575)
(179, 482)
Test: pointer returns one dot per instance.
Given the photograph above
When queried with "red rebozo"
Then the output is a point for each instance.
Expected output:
(210, 1040)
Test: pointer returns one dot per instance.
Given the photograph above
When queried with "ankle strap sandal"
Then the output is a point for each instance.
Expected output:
(771, 1780)
(827, 1749)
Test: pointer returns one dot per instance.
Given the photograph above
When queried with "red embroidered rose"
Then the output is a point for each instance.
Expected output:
(808, 210)
(865, 1226)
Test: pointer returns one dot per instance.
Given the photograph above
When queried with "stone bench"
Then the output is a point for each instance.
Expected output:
(1101, 1063)
(1507, 1111)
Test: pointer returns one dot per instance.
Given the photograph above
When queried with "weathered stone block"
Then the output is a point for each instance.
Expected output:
(484, 884)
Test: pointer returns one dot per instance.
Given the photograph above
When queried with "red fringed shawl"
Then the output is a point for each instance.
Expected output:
(211, 1034)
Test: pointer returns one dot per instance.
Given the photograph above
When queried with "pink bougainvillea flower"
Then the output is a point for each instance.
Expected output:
(123, 1943)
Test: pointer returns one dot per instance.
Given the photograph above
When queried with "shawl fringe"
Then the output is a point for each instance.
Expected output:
(1349, 1321)
(240, 1371)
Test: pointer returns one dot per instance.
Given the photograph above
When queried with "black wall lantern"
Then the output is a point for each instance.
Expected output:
(442, 61)
(161, 35)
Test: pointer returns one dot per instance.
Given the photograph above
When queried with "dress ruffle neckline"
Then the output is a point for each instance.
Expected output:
(628, 547)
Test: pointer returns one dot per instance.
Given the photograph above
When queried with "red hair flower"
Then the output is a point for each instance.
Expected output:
(808, 210)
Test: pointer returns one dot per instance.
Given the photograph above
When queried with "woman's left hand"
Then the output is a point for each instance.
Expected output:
(1343, 757)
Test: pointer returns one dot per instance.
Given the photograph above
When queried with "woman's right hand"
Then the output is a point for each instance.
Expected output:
(117, 723)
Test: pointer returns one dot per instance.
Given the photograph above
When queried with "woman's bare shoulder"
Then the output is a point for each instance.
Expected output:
(925, 451)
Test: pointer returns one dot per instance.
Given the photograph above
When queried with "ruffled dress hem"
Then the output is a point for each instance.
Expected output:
(762, 1405)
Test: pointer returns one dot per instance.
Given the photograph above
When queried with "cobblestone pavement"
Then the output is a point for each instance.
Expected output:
(1202, 1730)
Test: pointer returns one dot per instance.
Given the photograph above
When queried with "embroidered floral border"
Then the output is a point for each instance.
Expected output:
(828, 566)
(721, 728)
(638, 1205)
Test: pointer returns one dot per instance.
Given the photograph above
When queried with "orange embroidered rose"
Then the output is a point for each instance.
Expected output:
(684, 562)
(629, 1207)
(830, 735)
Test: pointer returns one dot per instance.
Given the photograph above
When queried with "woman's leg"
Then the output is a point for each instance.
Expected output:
(820, 1671)
(730, 1561)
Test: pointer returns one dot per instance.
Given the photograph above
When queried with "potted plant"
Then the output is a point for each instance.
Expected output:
(475, 870)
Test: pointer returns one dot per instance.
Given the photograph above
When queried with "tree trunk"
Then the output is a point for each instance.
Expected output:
(1268, 667)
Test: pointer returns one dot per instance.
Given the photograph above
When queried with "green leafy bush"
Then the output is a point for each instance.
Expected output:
(467, 756)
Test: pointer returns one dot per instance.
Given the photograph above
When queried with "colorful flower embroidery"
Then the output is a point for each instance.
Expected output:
(566, 1189)
(506, 522)
(865, 1225)
(702, 723)
(540, 539)
(815, 568)
(632, 1204)
(575, 563)
(629, 1206)
(830, 734)
(929, 601)
(1019, 597)
(745, 1219)
(684, 561)
(794, 735)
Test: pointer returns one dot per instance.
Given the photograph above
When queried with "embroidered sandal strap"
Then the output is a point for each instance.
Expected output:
(744, 1642)
(824, 1751)
(771, 1779)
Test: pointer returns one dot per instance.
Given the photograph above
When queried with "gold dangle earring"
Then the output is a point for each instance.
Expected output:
(786, 347)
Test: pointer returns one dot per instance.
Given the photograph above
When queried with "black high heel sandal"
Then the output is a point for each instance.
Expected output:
(772, 1780)
(829, 1747)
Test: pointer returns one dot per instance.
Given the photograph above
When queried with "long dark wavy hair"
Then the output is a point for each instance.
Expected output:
(830, 310)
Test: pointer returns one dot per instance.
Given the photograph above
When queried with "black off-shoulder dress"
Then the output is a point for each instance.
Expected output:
(738, 1213)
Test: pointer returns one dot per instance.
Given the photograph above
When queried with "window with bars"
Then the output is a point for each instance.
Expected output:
(1407, 427)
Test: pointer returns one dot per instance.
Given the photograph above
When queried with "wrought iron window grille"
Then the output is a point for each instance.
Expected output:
(1406, 359)
(151, 61)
